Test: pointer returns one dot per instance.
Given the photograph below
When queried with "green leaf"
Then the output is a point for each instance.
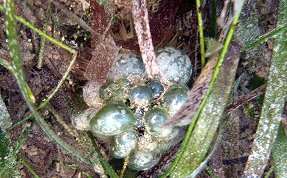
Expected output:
(216, 71)
(209, 119)
(279, 152)
(107, 167)
(23, 86)
(5, 144)
(273, 102)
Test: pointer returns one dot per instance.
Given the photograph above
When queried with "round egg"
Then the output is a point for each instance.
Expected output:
(128, 66)
(91, 94)
(174, 66)
(81, 121)
(154, 119)
(112, 119)
(172, 139)
(173, 98)
(124, 144)
(106, 90)
(156, 88)
(140, 96)
(143, 160)
(115, 90)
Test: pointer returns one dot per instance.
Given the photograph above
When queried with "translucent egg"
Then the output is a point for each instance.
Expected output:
(156, 88)
(124, 144)
(174, 97)
(176, 135)
(118, 95)
(81, 121)
(143, 160)
(130, 67)
(172, 139)
(106, 90)
(150, 144)
(112, 119)
(175, 66)
(140, 96)
(115, 90)
(155, 118)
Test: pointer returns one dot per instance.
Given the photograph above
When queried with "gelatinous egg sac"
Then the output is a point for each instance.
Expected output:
(112, 119)
(156, 88)
(128, 66)
(124, 144)
(143, 160)
(115, 90)
(140, 96)
(174, 97)
(174, 66)
(155, 119)
(133, 109)
(82, 120)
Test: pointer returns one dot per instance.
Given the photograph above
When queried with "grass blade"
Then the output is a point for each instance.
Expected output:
(279, 153)
(266, 37)
(5, 145)
(108, 168)
(21, 140)
(273, 103)
(27, 166)
(214, 76)
(19, 74)
(6, 64)
(210, 117)
(201, 35)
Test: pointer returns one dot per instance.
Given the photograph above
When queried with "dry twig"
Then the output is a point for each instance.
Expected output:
(140, 15)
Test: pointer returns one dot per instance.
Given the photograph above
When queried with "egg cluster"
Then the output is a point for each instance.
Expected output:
(134, 109)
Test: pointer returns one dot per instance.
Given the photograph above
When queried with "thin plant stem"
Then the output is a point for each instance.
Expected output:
(42, 33)
(214, 76)
(266, 37)
(19, 75)
(24, 162)
(7, 65)
(62, 122)
(268, 174)
(201, 35)
(73, 166)
(21, 140)
(53, 92)
(126, 162)
(43, 40)
(65, 74)
(107, 167)
(72, 16)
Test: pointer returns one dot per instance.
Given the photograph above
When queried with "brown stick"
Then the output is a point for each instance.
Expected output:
(142, 28)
